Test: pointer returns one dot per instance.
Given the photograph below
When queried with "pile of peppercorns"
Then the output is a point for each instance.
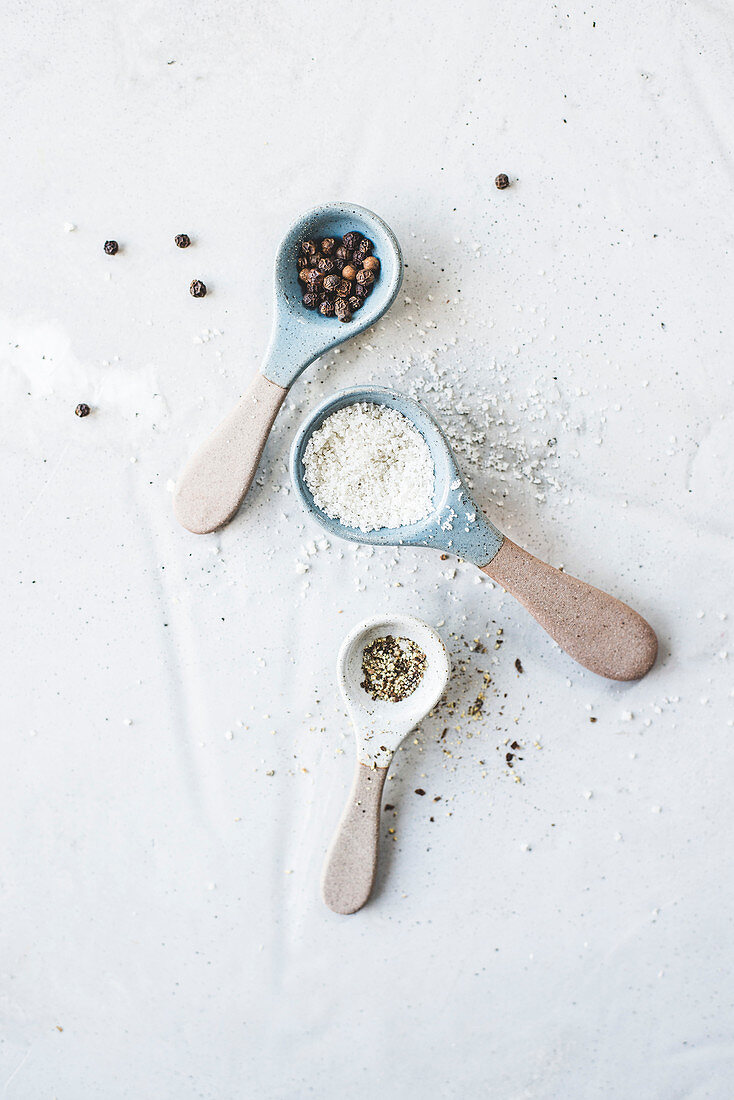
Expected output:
(337, 274)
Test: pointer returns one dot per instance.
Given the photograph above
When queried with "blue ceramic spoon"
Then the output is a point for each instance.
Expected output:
(216, 479)
(597, 630)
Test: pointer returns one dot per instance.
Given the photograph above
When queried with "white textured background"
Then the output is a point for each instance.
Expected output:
(162, 935)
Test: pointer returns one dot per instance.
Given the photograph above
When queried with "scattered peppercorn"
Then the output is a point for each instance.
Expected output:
(419, 790)
(502, 181)
(340, 272)
(82, 410)
(198, 289)
(518, 665)
(111, 247)
(182, 240)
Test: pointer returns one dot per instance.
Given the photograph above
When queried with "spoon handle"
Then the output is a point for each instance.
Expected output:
(216, 479)
(351, 862)
(597, 630)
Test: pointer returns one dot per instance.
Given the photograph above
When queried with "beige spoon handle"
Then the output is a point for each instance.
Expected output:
(215, 480)
(351, 862)
(597, 630)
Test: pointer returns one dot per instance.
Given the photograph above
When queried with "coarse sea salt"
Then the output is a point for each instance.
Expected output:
(367, 466)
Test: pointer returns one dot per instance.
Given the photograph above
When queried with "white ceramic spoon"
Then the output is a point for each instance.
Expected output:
(379, 726)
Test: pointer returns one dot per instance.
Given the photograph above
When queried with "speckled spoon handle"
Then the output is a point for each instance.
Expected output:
(351, 862)
(597, 630)
(215, 480)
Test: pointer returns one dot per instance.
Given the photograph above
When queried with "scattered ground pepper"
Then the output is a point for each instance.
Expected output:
(392, 668)
(111, 247)
(82, 409)
(518, 665)
(419, 790)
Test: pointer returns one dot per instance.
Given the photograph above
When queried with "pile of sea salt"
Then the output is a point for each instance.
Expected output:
(368, 467)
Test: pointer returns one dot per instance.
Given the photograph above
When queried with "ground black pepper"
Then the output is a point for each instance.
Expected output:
(392, 668)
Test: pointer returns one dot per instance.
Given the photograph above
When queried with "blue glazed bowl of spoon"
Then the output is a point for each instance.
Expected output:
(596, 629)
(216, 479)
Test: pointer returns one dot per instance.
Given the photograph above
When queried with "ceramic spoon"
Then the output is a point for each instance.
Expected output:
(597, 630)
(379, 726)
(215, 481)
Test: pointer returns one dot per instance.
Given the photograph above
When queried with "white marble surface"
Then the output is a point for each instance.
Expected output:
(560, 930)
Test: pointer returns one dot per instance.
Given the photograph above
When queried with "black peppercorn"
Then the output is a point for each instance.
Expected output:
(198, 289)
(82, 410)
(338, 274)
(182, 240)
(502, 181)
(111, 247)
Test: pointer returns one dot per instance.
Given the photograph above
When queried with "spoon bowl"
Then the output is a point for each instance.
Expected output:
(600, 632)
(379, 726)
(455, 524)
(300, 335)
(216, 479)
